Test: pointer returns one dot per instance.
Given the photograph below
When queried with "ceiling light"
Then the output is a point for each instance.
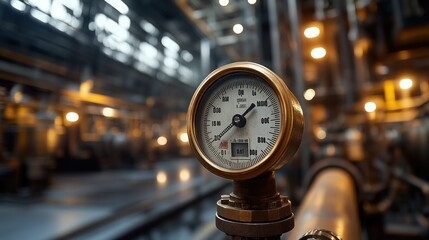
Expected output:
(309, 94)
(318, 53)
(238, 28)
(405, 83)
(311, 32)
(108, 112)
(124, 21)
(18, 5)
(187, 56)
(184, 137)
(72, 116)
(161, 140)
(149, 27)
(223, 3)
(39, 15)
(370, 107)
(118, 5)
(170, 44)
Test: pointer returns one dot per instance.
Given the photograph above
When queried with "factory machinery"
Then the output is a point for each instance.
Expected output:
(81, 84)
(362, 159)
(103, 88)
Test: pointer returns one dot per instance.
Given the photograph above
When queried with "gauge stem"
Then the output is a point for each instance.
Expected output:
(254, 189)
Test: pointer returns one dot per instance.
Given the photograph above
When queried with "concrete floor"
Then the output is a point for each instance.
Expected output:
(75, 202)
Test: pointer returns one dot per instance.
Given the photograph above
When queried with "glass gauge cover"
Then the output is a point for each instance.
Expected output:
(242, 120)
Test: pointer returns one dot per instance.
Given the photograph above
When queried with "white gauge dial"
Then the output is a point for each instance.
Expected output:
(243, 121)
(240, 121)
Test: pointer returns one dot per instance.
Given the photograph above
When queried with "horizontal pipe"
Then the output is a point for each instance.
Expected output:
(330, 204)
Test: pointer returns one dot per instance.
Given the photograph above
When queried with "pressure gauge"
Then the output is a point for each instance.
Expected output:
(243, 121)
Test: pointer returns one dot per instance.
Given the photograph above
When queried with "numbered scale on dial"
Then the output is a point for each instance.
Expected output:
(241, 120)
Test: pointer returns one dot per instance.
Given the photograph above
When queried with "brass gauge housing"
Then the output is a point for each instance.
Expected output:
(243, 121)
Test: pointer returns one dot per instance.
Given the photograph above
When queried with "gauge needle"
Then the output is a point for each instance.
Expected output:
(252, 106)
(238, 121)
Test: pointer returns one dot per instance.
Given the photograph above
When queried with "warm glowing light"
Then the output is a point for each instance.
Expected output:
(311, 32)
(309, 94)
(370, 107)
(72, 116)
(405, 83)
(251, 1)
(161, 140)
(161, 177)
(184, 137)
(330, 150)
(320, 133)
(85, 87)
(223, 3)
(318, 53)
(108, 112)
(51, 139)
(184, 175)
(18, 96)
(238, 28)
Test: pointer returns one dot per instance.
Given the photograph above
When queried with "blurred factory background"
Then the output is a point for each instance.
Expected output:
(94, 97)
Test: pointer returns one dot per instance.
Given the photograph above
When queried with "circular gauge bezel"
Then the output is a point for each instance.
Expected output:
(291, 128)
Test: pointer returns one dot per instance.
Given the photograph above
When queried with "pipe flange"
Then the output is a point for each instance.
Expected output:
(255, 229)
(320, 234)
(227, 209)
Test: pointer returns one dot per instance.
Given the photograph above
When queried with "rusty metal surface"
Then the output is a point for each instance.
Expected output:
(331, 204)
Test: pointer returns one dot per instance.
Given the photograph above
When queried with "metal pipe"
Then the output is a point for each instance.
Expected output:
(205, 57)
(346, 55)
(330, 204)
(294, 17)
(276, 59)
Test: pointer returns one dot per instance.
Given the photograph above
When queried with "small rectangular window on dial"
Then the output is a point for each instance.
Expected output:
(239, 149)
